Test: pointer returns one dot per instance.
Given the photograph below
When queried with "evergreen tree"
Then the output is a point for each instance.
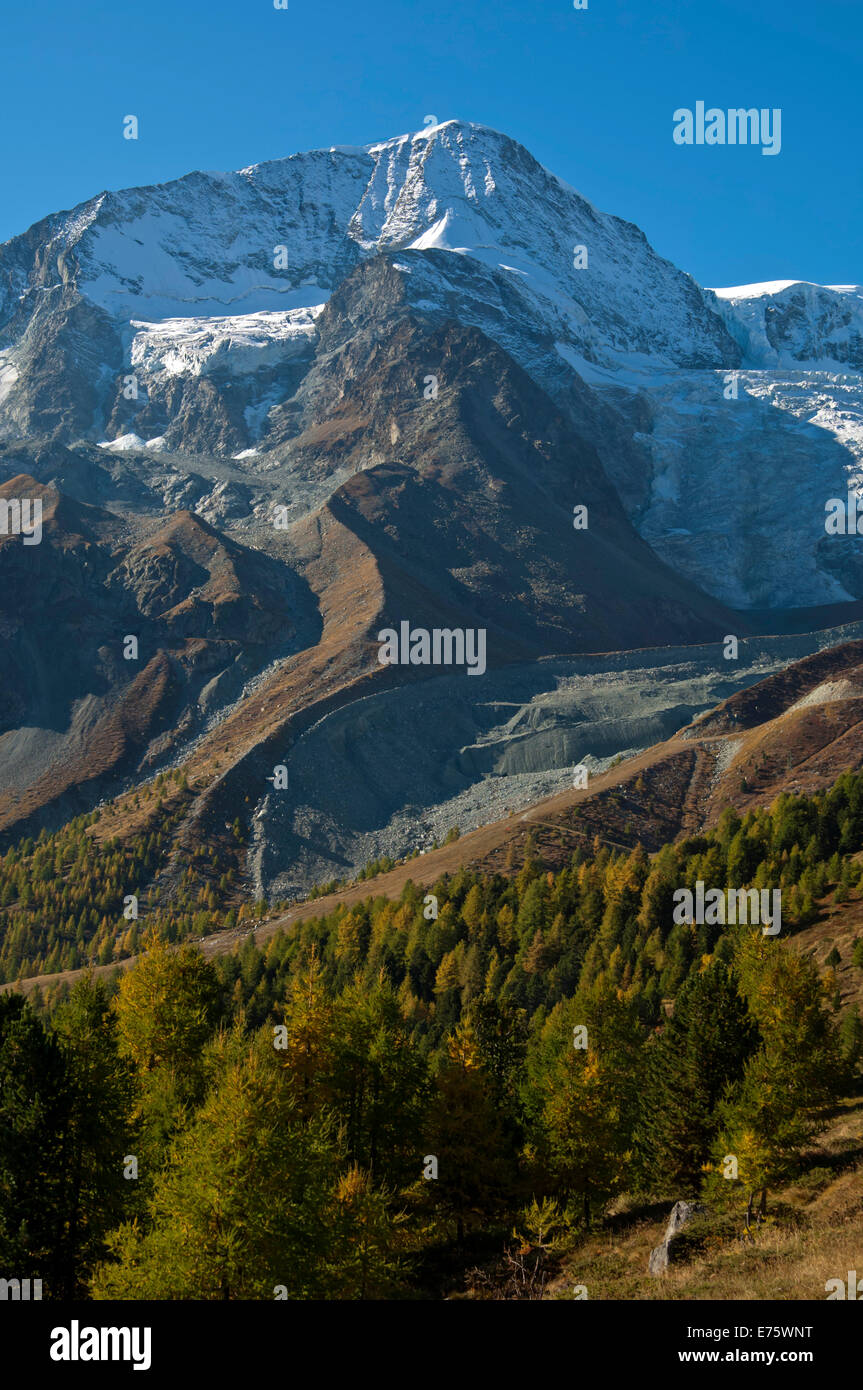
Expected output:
(465, 1134)
(583, 1097)
(379, 1083)
(365, 1261)
(167, 1007)
(851, 1041)
(96, 1135)
(699, 1054)
(792, 1078)
(34, 1106)
(247, 1202)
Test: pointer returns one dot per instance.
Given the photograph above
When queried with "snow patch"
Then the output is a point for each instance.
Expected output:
(123, 443)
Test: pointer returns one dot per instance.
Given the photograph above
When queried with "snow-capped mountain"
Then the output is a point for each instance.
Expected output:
(184, 318)
(215, 273)
(790, 323)
(207, 245)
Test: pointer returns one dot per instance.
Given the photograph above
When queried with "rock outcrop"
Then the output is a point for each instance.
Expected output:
(681, 1215)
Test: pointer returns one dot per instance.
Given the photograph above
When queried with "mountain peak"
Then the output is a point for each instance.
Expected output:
(185, 318)
(279, 237)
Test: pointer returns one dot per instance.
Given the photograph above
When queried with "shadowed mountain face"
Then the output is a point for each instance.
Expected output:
(463, 479)
(113, 643)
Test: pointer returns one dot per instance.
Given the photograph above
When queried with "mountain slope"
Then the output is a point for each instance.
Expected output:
(81, 706)
(285, 408)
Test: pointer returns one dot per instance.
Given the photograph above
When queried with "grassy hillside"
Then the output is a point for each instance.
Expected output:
(813, 1233)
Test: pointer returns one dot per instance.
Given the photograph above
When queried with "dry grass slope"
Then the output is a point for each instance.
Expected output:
(814, 1232)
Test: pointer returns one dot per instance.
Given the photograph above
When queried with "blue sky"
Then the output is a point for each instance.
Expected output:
(591, 93)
